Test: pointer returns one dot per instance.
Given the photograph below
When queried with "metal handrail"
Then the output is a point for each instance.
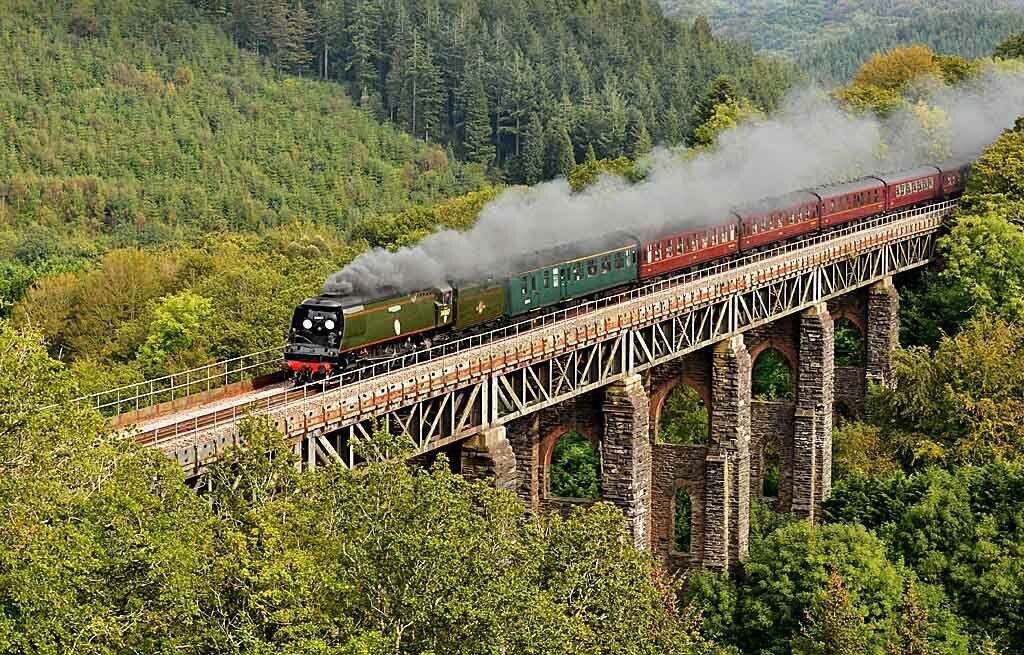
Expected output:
(139, 395)
(304, 392)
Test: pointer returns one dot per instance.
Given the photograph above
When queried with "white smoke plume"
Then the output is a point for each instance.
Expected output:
(809, 142)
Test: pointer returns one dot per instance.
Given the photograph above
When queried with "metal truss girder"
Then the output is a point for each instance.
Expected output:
(589, 353)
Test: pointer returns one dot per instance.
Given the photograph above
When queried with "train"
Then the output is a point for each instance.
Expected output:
(330, 333)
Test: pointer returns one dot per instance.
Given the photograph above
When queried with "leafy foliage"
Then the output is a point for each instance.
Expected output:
(964, 402)
(895, 69)
(575, 468)
(788, 600)
(106, 550)
(772, 376)
(983, 255)
(960, 529)
(684, 417)
(1011, 48)
(849, 346)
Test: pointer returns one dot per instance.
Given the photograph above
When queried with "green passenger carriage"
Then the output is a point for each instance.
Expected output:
(550, 284)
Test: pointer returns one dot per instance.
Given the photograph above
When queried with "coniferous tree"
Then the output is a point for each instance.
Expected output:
(290, 29)
(721, 91)
(639, 139)
(561, 157)
(832, 626)
(533, 154)
(671, 132)
(476, 127)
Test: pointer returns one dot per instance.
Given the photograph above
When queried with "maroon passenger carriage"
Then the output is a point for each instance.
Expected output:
(686, 249)
(954, 177)
(909, 188)
(851, 201)
(776, 220)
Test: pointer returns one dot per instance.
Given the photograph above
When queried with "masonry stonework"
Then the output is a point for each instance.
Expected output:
(812, 430)
(626, 453)
(771, 424)
(489, 456)
(677, 466)
(727, 465)
(883, 331)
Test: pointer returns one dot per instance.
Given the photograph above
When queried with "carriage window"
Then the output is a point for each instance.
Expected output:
(592, 268)
(650, 257)
(619, 262)
(554, 278)
(732, 232)
(525, 285)
(547, 279)
(669, 248)
(606, 266)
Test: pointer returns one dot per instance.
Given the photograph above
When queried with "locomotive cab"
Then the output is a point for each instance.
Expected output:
(314, 340)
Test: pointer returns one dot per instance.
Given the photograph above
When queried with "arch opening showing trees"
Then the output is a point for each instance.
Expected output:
(849, 343)
(684, 417)
(575, 468)
(682, 536)
(772, 376)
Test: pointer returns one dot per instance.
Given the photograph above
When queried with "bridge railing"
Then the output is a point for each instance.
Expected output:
(175, 386)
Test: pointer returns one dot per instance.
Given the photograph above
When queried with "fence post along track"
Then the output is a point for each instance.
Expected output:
(450, 391)
(132, 398)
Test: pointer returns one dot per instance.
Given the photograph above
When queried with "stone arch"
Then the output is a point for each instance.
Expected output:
(682, 395)
(773, 373)
(683, 531)
(851, 316)
(850, 342)
(572, 464)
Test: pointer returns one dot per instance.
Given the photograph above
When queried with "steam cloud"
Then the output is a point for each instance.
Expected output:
(810, 142)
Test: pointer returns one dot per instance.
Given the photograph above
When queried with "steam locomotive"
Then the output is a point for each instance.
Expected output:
(330, 332)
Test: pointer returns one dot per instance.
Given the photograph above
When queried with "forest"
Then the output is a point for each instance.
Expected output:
(829, 40)
(174, 177)
(508, 83)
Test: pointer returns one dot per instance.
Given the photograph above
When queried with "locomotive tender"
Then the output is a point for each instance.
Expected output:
(329, 332)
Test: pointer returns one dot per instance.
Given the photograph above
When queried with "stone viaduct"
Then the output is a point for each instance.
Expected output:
(609, 372)
(646, 477)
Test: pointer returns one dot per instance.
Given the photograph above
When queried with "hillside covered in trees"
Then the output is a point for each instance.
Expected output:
(506, 81)
(829, 40)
